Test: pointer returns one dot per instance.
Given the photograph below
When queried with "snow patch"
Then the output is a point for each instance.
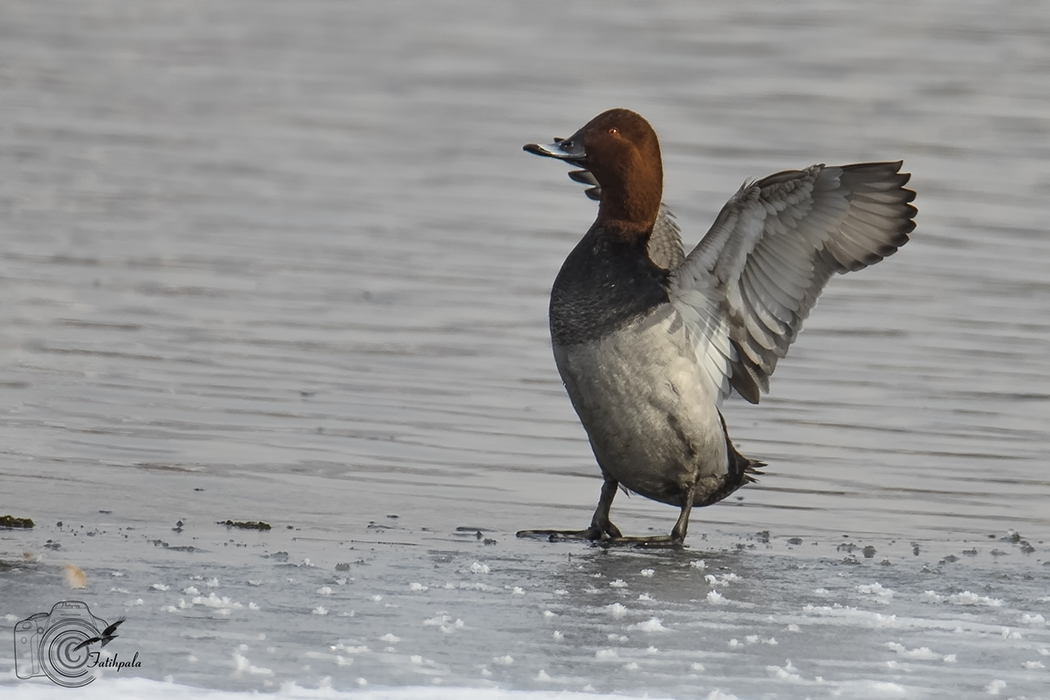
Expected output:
(349, 650)
(875, 619)
(724, 580)
(787, 672)
(881, 594)
(718, 694)
(241, 665)
(444, 622)
(964, 598)
(214, 601)
(653, 624)
(920, 653)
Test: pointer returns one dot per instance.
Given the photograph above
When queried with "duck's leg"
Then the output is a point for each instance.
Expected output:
(678, 532)
(601, 527)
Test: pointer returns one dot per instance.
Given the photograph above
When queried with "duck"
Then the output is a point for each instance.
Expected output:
(650, 341)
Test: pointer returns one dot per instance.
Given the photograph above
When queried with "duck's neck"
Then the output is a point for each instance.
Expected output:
(632, 204)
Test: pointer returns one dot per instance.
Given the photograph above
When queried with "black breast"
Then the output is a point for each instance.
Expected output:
(605, 282)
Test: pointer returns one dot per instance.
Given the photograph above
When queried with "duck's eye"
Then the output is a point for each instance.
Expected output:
(613, 131)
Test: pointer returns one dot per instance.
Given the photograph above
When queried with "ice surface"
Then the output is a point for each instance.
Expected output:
(822, 627)
(108, 689)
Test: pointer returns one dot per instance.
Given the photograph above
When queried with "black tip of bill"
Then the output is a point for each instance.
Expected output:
(560, 149)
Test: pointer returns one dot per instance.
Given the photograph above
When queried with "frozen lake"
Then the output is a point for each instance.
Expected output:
(287, 262)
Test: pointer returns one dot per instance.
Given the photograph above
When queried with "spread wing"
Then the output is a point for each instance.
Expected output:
(113, 628)
(746, 288)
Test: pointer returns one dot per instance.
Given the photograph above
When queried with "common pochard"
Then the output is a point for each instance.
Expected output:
(650, 341)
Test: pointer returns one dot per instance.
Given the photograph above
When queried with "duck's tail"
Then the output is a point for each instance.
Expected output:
(750, 466)
(742, 470)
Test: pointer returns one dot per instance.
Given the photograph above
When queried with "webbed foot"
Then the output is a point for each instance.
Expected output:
(597, 531)
(600, 529)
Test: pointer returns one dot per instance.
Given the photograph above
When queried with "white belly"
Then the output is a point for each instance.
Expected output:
(653, 426)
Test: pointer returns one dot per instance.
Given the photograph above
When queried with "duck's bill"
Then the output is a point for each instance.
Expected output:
(573, 153)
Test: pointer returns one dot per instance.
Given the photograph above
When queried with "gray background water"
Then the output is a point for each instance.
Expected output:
(287, 261)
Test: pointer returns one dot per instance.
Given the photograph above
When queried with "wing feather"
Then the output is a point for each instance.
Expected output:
(746, 288)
